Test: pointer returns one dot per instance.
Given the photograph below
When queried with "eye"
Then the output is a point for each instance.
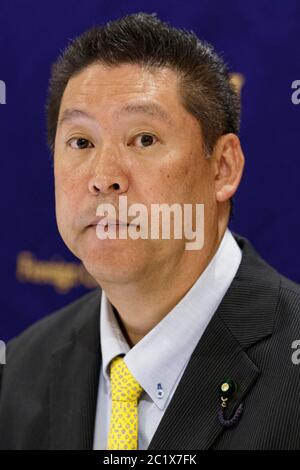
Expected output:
(81, 143)
(145, 139)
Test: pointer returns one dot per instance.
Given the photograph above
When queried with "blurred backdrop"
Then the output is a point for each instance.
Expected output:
(260, 42)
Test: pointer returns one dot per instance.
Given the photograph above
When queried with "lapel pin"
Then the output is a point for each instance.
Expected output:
(227, 390)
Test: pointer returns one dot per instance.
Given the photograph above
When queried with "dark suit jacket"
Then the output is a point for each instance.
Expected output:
(49, 383)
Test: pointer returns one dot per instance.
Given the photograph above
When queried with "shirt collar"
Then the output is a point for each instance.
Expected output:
(160, 356)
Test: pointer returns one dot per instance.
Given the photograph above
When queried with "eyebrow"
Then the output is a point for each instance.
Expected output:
(72, 114)
(149, 109)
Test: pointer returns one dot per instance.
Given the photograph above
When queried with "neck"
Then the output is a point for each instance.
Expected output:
(140, 306)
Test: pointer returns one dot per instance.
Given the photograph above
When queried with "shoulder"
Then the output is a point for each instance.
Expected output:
(288, 306)
(289, 286)
(262, 282)
(53, 330)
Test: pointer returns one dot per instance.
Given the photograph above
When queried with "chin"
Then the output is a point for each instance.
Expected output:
(114, 263)
(111, 272)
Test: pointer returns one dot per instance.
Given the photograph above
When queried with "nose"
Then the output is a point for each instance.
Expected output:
(108, 183)
(107, 178)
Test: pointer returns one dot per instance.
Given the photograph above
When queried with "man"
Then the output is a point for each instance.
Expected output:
(177, 348)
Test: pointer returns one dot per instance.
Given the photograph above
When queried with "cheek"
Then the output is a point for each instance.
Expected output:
(67, 199)
(68, 184)
(171, 181)
(195, 171)
(182, 176)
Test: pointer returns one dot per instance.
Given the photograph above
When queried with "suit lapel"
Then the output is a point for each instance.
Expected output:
(190, 421)
(244, 317)
(74, 383)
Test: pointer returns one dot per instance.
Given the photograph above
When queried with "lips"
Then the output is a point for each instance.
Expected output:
(114, 225)
(111, 223)
(108, 222)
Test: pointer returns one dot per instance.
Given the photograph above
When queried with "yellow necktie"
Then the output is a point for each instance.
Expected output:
(125, 391)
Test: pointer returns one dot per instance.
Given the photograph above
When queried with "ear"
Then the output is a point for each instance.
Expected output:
(229, 163)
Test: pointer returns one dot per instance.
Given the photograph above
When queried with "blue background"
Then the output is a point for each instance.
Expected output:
(259, 39)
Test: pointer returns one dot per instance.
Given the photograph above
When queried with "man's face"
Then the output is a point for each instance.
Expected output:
(117, 159)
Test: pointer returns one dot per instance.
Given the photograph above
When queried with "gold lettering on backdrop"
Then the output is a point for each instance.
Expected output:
(63, 275)
(237, 80)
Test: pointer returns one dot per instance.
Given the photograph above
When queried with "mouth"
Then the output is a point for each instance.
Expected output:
(115, 224)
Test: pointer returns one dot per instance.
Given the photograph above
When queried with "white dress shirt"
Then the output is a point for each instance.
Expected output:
(159, 359)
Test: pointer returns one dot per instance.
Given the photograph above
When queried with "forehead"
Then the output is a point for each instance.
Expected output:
(123, 89)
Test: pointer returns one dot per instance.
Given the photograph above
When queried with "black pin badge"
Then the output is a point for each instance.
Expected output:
(227, 390)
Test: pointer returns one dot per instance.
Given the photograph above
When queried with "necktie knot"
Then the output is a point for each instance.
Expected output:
(124, 387)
